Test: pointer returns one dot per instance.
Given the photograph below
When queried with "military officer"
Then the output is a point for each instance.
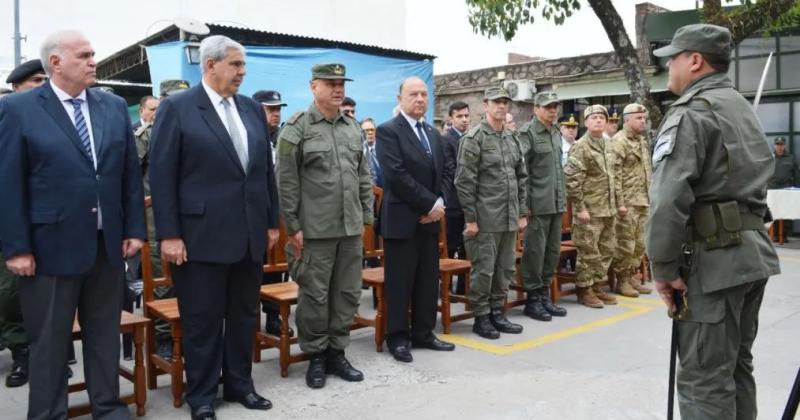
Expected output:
(568, 125)
(27, 75)
(786, 173)
(272, 103)
(706, 238)
(612, 125)
(632, 169)
(491, 185)
(326, 198)
(541, 142)
(593, 191)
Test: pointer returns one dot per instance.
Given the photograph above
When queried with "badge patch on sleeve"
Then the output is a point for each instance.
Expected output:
(663, 147)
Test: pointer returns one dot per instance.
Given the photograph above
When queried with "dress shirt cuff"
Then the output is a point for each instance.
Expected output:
(439, 202)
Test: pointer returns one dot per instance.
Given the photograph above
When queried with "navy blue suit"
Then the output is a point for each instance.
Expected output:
(374, 167)
(51, 192)
(412, 182)
(222, 211)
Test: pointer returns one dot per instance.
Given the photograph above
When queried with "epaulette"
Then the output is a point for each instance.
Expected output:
(293, 119)
(473, 130)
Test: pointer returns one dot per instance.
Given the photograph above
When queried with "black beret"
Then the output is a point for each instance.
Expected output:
(25, 70)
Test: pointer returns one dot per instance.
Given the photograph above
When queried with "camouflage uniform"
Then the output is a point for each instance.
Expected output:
(633, 171)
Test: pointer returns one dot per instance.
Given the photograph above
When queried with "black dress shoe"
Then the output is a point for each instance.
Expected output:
(251, 401)
(273, 326)
(401, 353)
(19, 369)
(315, 375)
(164, 348)
(433, 344)
(204, 412)
(484, 328)
(338, 365)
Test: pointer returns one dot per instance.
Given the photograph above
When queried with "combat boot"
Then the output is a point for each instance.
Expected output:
(19, 369)
(625, 288)
(603, 296)
(338, 365)
(587, 297)
(502, 324)
(640, 287)
(534, 308)
(484, 328)
(315, 375)
(549, 306)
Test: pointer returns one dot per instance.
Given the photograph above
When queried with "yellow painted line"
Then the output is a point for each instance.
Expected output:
(642, 300)
(635, 310)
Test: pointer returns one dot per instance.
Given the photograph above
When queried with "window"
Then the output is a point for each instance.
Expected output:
(756, 46)
(773, 117)
(750, 71)
(790, 71)
(790, 43)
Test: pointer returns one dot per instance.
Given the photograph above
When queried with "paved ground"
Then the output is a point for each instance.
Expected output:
(594, 364)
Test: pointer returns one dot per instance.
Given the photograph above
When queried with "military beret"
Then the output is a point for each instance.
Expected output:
(172, 86)
(331, 71)
(268, 98)
(25, 70)
(633, 109)
(493, 93)
(780, 140)
(568, 120)
(700, 37)
(595, 109)
(545, 98)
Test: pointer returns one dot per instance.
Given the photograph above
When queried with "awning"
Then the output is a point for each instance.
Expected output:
(617, 87)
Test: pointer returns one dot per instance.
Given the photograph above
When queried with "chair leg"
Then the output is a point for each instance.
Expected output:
(445, 308)
(177, 367)
(152, 370)
(284, 340)
(139, 388)
(379, 315)
(555, 289)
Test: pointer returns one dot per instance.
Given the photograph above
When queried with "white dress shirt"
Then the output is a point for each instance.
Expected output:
(565, 146)
(64, 98)
(216, 100)
(413, 123)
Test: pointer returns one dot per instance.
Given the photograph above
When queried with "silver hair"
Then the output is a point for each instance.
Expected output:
(52, 46)
(216, 48)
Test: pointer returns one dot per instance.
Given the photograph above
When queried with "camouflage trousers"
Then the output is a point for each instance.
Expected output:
(630, 241)
(595, 243)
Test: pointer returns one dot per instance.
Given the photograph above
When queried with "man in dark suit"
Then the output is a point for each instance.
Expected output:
(411, 157)
(72, 209)
(459, 118)
(214, 200)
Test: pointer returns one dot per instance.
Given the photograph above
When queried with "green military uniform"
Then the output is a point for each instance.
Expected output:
(12, 330)
(491, 186)
(632, 169)
(325, 190)
(711, 164)
(786, 173)
(592, 186)
(546, 200)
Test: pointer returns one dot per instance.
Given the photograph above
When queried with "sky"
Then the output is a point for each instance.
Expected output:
(436, 27)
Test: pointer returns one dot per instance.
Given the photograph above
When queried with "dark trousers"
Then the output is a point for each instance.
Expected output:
(219, 312)
(412, 280)
(48, 308)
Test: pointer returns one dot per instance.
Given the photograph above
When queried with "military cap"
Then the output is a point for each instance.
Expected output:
(172, 86)
(268, 98)
(545, 98)
(595, 109)
(614, 116)
(494, 93)
(700, 37)
(633, 109)
(780, 140)
(568, 120)
(25, 70)
(331, 71)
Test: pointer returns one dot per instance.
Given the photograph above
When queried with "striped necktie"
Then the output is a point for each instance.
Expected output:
(80, 125)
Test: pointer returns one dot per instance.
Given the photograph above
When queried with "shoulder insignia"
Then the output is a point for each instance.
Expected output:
(293, 119)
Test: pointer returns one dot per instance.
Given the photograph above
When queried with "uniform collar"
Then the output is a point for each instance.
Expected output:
(316, 115)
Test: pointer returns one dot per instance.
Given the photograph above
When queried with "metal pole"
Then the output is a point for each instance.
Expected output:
(17, 36)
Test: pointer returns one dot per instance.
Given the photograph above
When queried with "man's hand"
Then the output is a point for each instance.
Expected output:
(296, 241)
(522, 223)
(622, 211)
(471, 230)
(272, 236)
(22, 265)
(131, 246)
(426, 219)
(174, 251)
(666, 288)
(437, 213)
(584, 217)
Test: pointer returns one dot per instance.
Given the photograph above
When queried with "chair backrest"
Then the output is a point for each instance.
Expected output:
(378, 191)
(442, 238)
(276, 257)
(149, 283)
(566, 219)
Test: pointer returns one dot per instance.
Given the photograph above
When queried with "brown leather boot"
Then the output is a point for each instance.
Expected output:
(603, 296)
(587, 297)
(642, 288)
(625, 286)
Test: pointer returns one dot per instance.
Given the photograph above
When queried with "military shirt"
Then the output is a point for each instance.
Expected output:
(542, 150)
(785, 172)
(632, 167)
(142, 137)
(710, 148)
(591, 184)
(491, 179)
(324, 181)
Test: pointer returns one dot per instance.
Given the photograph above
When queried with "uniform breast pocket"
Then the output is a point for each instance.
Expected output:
(316, 152)
(542, 147)
(491, 157)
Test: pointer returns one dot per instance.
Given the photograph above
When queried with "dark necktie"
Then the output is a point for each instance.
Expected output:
(80, 125)
(423, 139)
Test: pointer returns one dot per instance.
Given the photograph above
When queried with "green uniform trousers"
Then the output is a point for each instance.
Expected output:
(630, 241)
(715, 379)
(12, 332)
(595, 244)
(540, 252)
(492, 256)
(328, 273)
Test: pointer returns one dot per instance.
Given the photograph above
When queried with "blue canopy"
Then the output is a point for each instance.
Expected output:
(375, 84)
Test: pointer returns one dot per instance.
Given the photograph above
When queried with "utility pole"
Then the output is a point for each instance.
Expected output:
(17, 36)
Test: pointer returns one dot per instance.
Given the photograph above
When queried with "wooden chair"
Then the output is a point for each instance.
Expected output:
(129, 324)
(284, 295)
(276, 263)
(560, 279)
(374, 279)
(166, 310)
(449, 267)
(517, 286)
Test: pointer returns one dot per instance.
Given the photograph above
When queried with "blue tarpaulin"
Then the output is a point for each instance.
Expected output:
(375, 84)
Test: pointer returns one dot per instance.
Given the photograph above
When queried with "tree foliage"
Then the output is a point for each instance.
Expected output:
(503, 18)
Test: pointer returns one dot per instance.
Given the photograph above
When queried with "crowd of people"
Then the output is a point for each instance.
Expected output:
(224, 171)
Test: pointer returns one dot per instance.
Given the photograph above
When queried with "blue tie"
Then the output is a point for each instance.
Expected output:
(423, 139)
(80, 125)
